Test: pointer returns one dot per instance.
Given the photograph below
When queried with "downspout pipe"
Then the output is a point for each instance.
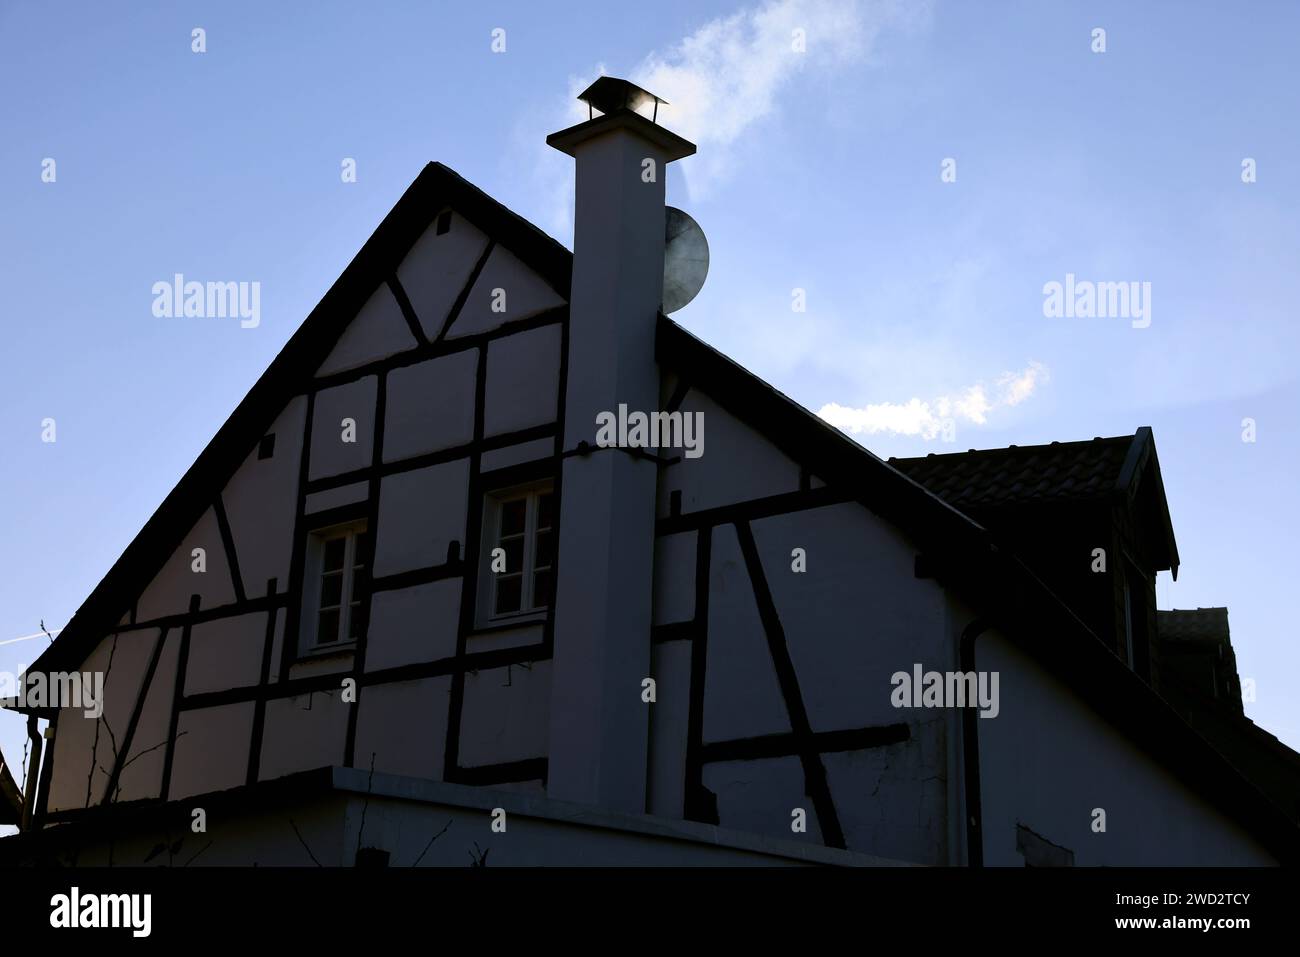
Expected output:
(971, 748)
(33, 767)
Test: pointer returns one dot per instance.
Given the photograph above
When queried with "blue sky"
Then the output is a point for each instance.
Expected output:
(817, 171)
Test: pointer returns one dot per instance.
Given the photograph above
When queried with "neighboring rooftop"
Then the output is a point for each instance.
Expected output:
(992, 484)
(1199, 624)
(1020, 474)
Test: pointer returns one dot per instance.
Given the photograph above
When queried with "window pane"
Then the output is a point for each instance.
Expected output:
(331, 589)
(359, 552)
(508, 593)
(512, 516)
(544, 553)
(542, 589)
(328, 628)
(354, 621)
(514, 554)
(545, 515)
(334, 554)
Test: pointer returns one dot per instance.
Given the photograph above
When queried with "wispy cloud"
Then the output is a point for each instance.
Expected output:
(730, 73)
(928, 418)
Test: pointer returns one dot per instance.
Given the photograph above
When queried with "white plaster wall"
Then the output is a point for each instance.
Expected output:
(893, 801)
(525, 295)
(303, 732)
(666, 779)
(404, 726)
(169, 592)
(761, 796)
(856, 616)
(413, 624)
(334, 498)
(517, 454)
(379, 330)
(331, 663)
(674, 585)
(260, 499)
(430, 406)
(1048, 759)
(504, 717)
(74, 762)
(497, 638)
(330, 455)
(80, 759)
(225, 653)
(277, 647)
(331, 826)
(420, 513)
(742, 698)
(142, 775)
(436, 268)
(737, 464)
(211, 749)
(523, 375)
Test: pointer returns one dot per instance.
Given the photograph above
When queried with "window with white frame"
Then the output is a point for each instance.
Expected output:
(337, 581)
(519, 539)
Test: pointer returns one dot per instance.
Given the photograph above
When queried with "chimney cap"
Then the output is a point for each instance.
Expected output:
(610, 94)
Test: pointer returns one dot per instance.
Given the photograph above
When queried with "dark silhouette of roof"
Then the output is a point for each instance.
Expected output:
(988, 484)
(11, 799)
(1020, 474)
(1198, 624)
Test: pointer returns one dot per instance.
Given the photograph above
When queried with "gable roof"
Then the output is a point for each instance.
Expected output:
(1121, 469)
(959, 552)
(436, 188)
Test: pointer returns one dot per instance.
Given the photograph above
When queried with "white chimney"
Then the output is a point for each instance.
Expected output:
(599, 724)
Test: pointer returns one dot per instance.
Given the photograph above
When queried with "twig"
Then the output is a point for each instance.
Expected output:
(140, 754)
(94, 748)
(361, 830)
(430, 844)
(197, 853)
(304, 843)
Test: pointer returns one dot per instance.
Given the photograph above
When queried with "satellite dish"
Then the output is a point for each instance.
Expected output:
(686, 259)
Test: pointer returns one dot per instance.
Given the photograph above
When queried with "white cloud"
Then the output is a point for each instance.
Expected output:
(918, 417)
(726, 76)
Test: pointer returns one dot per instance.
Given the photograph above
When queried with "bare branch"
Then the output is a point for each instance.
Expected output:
(430, 844)
(369, 781)
(94, 748)
(200, 851)
(304, 843)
